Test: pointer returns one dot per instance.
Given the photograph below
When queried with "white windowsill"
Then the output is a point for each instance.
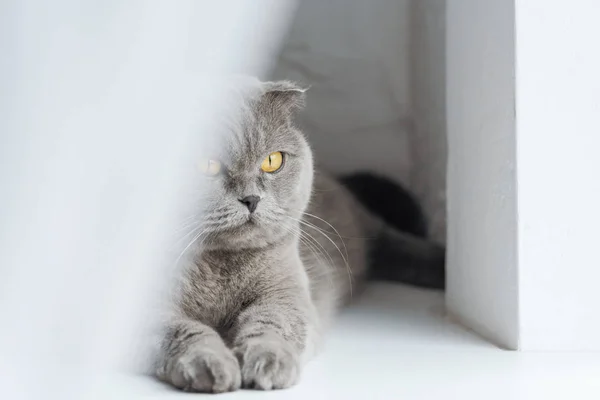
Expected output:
(395, 343)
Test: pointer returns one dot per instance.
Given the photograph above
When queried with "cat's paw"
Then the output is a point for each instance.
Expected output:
(201, 369)
(268, 364)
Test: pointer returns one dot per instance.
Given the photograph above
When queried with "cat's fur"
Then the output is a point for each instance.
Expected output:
(259, 289)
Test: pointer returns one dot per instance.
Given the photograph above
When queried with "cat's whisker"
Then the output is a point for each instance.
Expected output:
(334, 233)
(184, 223)
(320, 247)
(193, 216)
(349, 270)
(191, 232)
(186, 226)
(305, 240)
(188, 246)
(330, 266)
(310, 240)
(325, 232)
(203, 240)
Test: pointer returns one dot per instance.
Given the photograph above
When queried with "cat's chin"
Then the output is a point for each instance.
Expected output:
(251, 232)
(252, 220)
(243, 227)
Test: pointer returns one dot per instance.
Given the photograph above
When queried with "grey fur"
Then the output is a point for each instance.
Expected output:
(259, 290)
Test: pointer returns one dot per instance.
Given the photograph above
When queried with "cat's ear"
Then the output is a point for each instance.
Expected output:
(286, 96)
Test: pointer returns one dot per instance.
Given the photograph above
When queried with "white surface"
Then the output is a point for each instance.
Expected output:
(394, 343)
(482, 214)
(558, 137)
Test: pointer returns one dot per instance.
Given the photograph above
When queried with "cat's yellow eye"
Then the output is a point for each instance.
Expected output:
(272, 162)
(210, 167)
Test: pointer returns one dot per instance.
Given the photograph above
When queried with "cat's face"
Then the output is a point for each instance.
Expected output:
(259, 178)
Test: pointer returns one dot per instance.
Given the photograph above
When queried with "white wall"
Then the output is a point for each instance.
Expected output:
(370, 106)
(428, 139)
(523, 89)
(482, 220)
(355, 54)
(558, 137)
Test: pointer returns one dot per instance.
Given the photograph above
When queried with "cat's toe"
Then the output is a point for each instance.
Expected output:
(268, 365)
(201, 370)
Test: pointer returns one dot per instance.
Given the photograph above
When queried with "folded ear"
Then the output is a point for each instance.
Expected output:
(285, 96)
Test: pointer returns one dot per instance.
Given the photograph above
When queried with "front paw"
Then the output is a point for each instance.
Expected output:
(268, 364)
(202, 369)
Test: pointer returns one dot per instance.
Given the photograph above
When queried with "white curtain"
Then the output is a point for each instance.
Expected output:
(101, 103)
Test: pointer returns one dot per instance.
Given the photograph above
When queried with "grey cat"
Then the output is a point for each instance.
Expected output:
(280, 249)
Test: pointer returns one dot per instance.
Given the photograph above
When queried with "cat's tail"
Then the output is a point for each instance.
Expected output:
(401, 251)
(388, 200)
(402, 257)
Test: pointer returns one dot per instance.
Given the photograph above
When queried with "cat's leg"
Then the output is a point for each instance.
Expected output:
(195, 358)
(271, 337)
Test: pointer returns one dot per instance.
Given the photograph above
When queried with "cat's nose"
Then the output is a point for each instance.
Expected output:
(251, 202)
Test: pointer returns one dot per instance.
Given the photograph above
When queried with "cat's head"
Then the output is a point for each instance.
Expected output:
(258, 179)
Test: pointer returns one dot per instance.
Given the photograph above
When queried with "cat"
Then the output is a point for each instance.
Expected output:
(282, 247)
